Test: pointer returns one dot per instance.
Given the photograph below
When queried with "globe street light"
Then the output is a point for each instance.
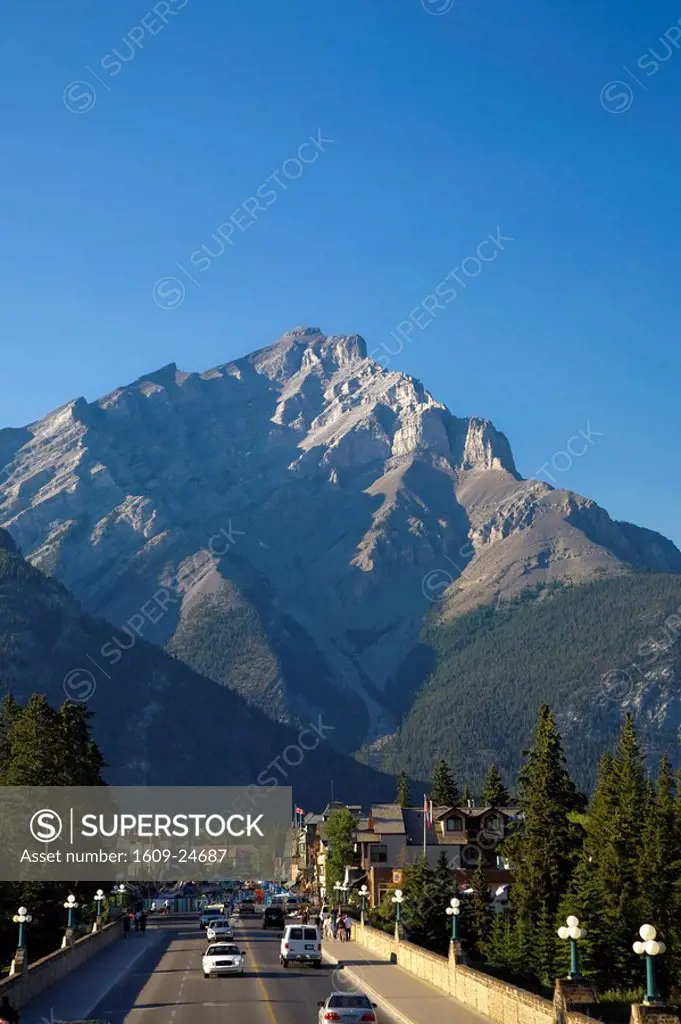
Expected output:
(337, 886)
(572, 932)
(651, 948)
(453, 910)
(117, 891)
(21, 918)
(364, 892)
(70, 905)
(398, 899)
(99, 896)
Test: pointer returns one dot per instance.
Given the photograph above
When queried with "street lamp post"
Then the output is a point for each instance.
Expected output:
(337, 886)
(364, 892)
(573, 932)
(70, 905)
(22, 917)
(398, 900)
(117, 891)
(99, 896)
(650, 947)
(453, 911)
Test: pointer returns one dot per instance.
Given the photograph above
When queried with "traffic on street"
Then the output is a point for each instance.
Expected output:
(186, 975)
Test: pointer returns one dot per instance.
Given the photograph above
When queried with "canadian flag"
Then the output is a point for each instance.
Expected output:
(427, 811)
(299, 810)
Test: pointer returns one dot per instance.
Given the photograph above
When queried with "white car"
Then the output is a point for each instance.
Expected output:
(209, 917)
(350, 1009)
(219, 930)
(223, 958)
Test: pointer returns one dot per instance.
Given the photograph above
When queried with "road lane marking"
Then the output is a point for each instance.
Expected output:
(262, 986)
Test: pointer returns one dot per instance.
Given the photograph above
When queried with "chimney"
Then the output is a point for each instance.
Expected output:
(371, 820)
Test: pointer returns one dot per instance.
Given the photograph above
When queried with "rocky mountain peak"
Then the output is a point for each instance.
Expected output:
(297, 499)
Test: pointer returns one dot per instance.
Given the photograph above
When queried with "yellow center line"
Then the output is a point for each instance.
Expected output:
(261, 984)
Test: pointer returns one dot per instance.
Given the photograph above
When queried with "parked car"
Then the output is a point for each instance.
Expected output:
(245, 908)
(274, 917)
(347, 1009)
(219, 930)
(301, 944)
(223, 958)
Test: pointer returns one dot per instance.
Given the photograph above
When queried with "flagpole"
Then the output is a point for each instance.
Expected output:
(424, 826)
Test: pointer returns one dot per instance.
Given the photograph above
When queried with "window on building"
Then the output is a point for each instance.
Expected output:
(493, 823)
(454, 824)
(379, 853)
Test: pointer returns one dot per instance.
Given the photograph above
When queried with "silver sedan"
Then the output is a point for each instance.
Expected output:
(350, 1009)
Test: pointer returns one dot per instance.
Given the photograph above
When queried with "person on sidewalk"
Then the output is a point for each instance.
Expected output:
(7, 1012)
(126, 925)
(143, 922)
(347, 926)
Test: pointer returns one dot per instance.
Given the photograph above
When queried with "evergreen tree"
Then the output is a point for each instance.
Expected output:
(403, 798)
(608, 881)
(31, 743)
(481, 916)
(660, 866)
(494, 791)
(423, 909)
(543, 850)
(466, 796)
(444, 792)
(8, 713)
(444, 879)
(544, 941)
(79, 758)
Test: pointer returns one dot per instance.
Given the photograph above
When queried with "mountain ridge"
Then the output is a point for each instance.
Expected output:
(343, 484)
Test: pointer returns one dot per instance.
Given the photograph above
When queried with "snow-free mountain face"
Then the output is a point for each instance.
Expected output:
(296, 505)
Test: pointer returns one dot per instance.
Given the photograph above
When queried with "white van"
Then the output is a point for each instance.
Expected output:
(301, 943)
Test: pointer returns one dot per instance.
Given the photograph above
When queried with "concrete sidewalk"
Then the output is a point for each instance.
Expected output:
(399, 993)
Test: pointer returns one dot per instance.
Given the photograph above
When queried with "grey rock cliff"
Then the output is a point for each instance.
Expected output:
(292, 502)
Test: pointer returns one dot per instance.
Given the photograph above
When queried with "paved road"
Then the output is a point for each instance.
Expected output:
(166, 984)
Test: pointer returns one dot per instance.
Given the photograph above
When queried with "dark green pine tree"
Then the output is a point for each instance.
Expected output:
(494, 791)
(31, 743)
(423, 908)
(660, 866)
(544, 951)
(80, 761)
(444, 792)
(482, 915)
(544, 849)
(444, 879)
(9, 710)
(466, 796)
(403, 797)
(606, 886)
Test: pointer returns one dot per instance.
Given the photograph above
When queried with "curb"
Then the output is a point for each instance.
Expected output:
(384, 1003)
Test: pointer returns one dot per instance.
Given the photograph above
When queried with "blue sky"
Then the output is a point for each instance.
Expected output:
(446, 127)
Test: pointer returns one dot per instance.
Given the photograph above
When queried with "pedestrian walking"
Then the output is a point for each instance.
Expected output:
(143, 922)
(347, 927)
(126, 925)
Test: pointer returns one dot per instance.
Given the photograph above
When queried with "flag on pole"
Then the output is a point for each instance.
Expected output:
(299, 810)
(427, 811)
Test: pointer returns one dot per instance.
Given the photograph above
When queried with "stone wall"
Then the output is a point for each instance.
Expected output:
(497, 1000)
(40, 975)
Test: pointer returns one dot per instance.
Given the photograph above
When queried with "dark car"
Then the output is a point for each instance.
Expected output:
(274, 918)
(245, 908)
